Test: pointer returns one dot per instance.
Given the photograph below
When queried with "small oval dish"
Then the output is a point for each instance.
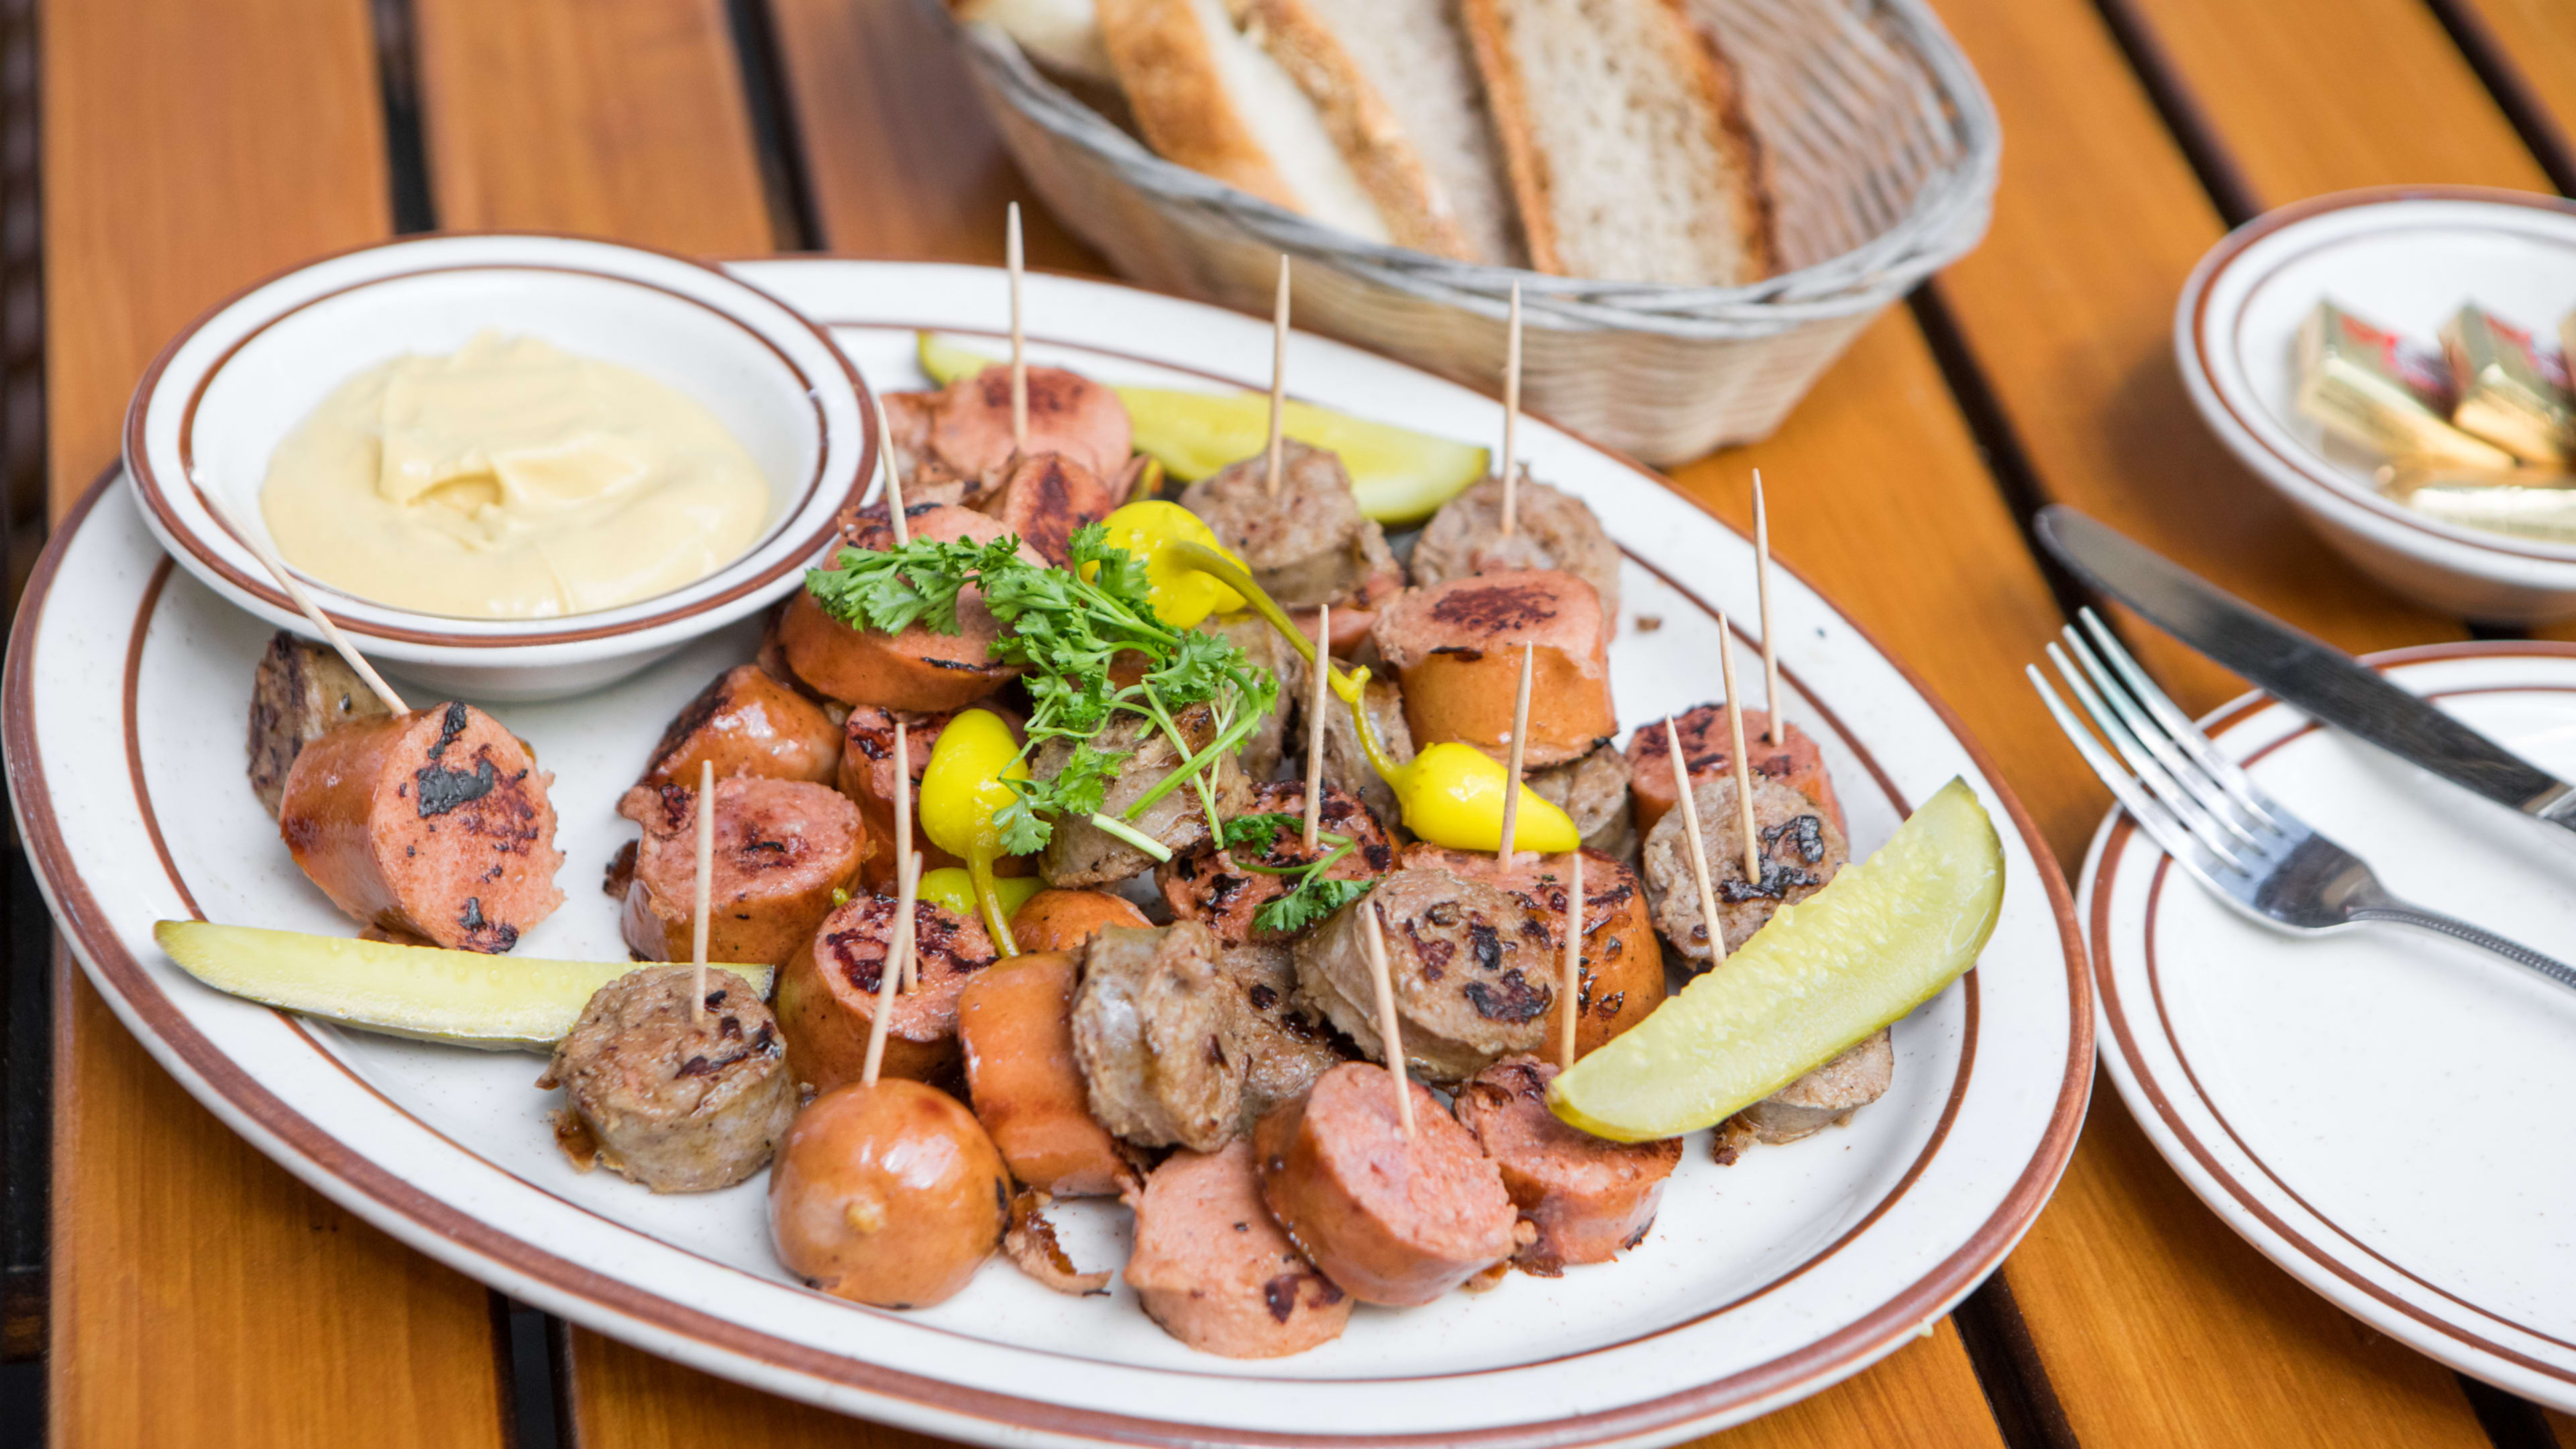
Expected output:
(217, 401)
(2404, 258)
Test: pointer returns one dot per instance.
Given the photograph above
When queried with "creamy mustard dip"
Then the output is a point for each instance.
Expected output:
(510, 480)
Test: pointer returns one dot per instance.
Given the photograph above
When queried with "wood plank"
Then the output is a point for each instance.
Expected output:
(200, 1294)
(2537, 38)
(620, 118)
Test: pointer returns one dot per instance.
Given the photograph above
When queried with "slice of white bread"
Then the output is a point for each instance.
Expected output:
(1061, 35)
(1399, 92)
(1209, 99)
(1625, 141)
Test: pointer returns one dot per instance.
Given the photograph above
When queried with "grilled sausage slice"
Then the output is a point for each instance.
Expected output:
(299, 693)
(747, 723)
(1594, 791)
(920, 668)
(867, 776)
(1214, 1270)
(1156, 1030)
(1044, 498)
(1473, 976)
(1457, 648)
(1309, 545)
(1264, 748)
(1550, 530)
(1015, 1025)
(1392, 1219)
(1799, 851)
(1588, 1197)
(1622, 979)
(1708, 751)
(1285, 1046)
(1346, 765)
(889, 1195)
(1198, 885)
(1080, 853)
(956, 442)
(827, 996)
(434, 822)
(1825, 1097)
(783, 848)
(676, 1099)
(1059, 920)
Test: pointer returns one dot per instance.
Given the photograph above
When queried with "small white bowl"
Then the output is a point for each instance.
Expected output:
(219, 398)
(2405, 258)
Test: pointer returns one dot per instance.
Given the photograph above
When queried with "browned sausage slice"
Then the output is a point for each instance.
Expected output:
(1198, 885)
(920, 668)
(1593, 791)
(434, 822)
(827, 996)
(1045, 498)
(1797, 849)
(1457, 648)
(1622, 969)
(1587, 1196)
(1285, 1046)
(747, 723)
(1156, 1031)
(1062, 920)
(676, 1099)
(1473, 973)
(1708, 751)
(1015, 1025)
(867, 776)
(1310, 544)
(1391, 1219)
(1825, 1097)
(300, 692)
(783, 849)
(1214, 1270)
(1551, 530)
(1080, 853)
(970, 427)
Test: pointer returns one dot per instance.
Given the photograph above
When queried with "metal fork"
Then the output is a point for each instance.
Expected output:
(2215, 821)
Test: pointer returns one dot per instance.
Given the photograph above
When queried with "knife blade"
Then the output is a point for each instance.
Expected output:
(2299, 669)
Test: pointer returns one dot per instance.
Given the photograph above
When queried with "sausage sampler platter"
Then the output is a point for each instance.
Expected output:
(1762, 1279)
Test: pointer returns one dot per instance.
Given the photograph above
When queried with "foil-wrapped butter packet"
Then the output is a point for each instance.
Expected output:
(2511, 388)
(2382, 392)
(2523, 502)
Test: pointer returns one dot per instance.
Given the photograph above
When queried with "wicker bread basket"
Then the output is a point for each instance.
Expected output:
(1882, 147)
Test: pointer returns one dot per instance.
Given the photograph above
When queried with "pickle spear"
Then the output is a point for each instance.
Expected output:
(1401, 477)
(1884, 937)
(464, 998)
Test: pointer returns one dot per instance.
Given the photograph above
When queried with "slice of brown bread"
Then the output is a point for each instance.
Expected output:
(1625, 141)
(1399, 92)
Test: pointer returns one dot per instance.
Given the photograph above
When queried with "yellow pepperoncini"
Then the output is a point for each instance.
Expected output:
(1181, 592)
(961, 791)
(954, 887)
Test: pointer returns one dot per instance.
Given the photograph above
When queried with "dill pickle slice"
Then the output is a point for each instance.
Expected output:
(1401, 477)
(1884, 937)
(464, 998)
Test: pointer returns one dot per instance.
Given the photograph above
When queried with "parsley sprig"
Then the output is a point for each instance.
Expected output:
(1315, 895)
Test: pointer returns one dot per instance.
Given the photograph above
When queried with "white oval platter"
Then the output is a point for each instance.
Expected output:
(2386, 1114)
(1760, 1284)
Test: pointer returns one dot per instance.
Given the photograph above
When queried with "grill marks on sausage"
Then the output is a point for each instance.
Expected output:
(1512, 998)
(1496, 609)
(860, 948)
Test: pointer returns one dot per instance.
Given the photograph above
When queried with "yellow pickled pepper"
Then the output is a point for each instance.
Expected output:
(1181, 594)
(961, 791)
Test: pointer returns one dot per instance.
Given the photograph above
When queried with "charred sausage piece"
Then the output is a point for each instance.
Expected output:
(1799, 850)
(299, 693)
(1160, 1041)
(1825, 1097)
(889, 1195)
(970, 426)
(1262, 647)
(1058, 920)
(434, 822)
(1587, 1196)
(1198, 885)
(1044, 498)
(783, 848)
(1212, 1268)
(747, 723)
(1474, 978)
(1594, 790)
(1285, 1046)
(1080, 853)
(920, 668)
(1346, 765)
(827, 996)
(1708, 751)
(1015, 1025)
(867, 776)
(1622, 979)
(1391, 1219)
(1457, 648)
(676, 1099)
(909, 417)
(1309, 545)
(1550, 530)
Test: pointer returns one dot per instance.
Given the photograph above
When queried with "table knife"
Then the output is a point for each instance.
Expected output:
(2299, 669)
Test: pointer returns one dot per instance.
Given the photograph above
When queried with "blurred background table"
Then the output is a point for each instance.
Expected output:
(167, 1285)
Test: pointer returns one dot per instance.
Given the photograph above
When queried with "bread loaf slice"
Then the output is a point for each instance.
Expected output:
(1209, 99)
(1625, 141)
(1399, 93)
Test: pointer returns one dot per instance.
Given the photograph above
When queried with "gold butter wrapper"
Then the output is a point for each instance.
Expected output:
(2511, 388)
(2532, 503)
(2380, 391)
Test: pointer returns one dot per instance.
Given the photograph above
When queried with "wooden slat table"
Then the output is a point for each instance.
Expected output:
(201, 1296)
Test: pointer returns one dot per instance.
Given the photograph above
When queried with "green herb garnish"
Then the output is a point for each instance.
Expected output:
(1315, 895)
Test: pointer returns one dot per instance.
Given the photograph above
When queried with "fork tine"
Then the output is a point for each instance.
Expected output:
(2158, 821)
(2239, 787)
(2185, 772)
(2193, 815)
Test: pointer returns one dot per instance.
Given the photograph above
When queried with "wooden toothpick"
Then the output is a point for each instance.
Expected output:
(902, 825)
(1386, 1017)
(1278, 372)
(1698, 848)
(898, 944)
(706, 887)
(1571, 987)
(313, 614)
(1743, 766)
(1504, 847)
(1019, 338)
(1512, 415)
(1322, 672)
(1770, 636)
(893, 475)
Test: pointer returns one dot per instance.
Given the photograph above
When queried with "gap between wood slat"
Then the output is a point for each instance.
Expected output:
(2226, 183)
(786, 183)
(2512, 1422)
(398, 88)
(2512, 90)
(2018, 1391)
